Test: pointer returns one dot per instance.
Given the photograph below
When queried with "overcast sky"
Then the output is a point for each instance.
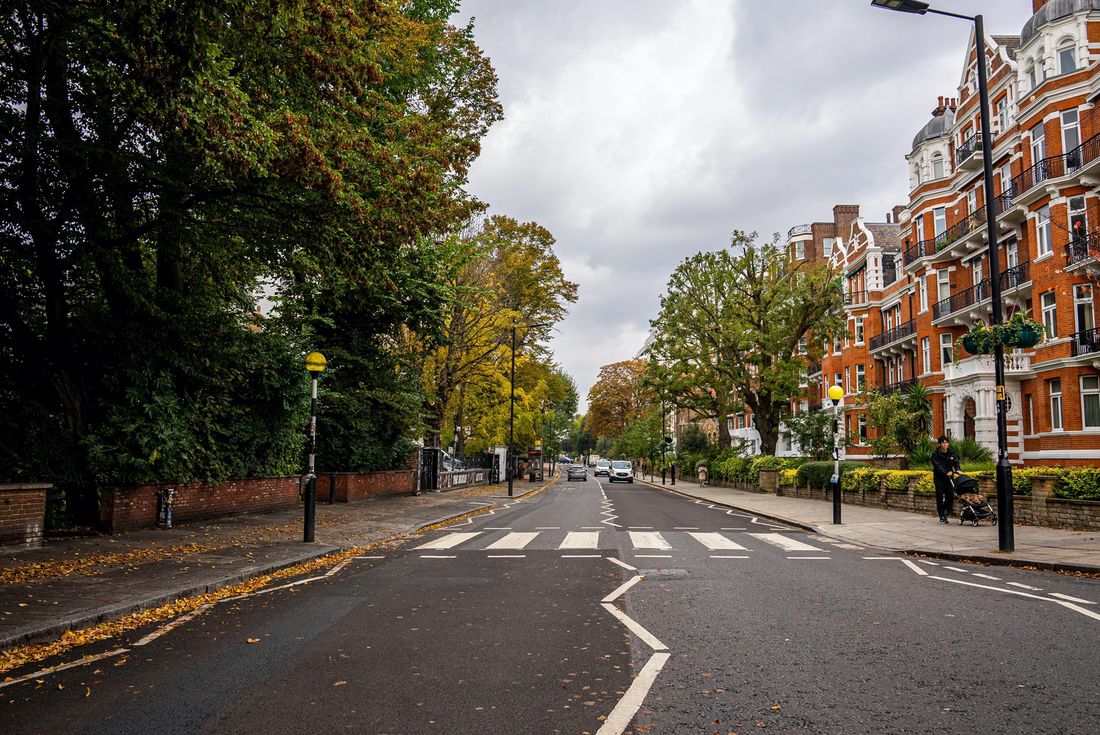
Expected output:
(642, 131)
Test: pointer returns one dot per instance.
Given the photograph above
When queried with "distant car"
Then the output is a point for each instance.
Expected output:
(621, 470)
(564, 460)
(577, 472)
(603, 467)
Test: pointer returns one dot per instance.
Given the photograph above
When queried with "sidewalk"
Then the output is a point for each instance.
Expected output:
(74, 583)
(1049, 548)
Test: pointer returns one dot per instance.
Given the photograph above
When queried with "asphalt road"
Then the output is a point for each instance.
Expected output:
(596, 608)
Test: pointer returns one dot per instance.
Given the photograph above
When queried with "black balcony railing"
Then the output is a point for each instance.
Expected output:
(1056, 166)
(970, 146)
(813, 369)
(1085, 341)
(961, 300)
(1015, 276)
(1083, 247)
(855, 297)
(901, 387)
(921, 249)
(799, 230)
(890, 336)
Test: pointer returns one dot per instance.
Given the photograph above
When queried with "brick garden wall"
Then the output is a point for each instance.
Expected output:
(351, 486)
(22, 515)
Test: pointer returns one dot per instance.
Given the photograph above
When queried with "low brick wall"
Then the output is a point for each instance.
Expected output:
(22, 515)
(352, 486)
(131, 508)
(1041, 508)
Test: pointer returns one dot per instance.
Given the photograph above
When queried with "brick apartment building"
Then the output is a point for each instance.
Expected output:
(916, 283)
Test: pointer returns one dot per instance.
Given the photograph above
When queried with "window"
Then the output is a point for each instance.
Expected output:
(1032, 75)
(827, 246)
(1090, 401)
(1078, 221)
(802, 345)
(1038, 144)
(1030, 428)
(972, 201)
(939, 220)
(861, 377)
(859, 330)
(861, 427)
(1002, 114)
(1054, 390)
(836, 379)
(937, 166)
(943, 284)
(976, 270)
(1042, 231)
(925, 355)
(922, 288)
(1071, 138)
(1006, 180)
(945, 349)
(800, 250)
(847, 380)
(1050, 314)
(1012, 254)
(1082, 306)
(1067, 58)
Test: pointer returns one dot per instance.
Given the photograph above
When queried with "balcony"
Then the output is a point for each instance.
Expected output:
(964, 154)
(920, 250)
(1017, 364)
(854, 298)
(799, 230)
(961, 300)
(902, 387)
(1057, 166)
(974, 222)
(1085, 342)
(1015, 277)
(813, 370)
(896, 334)
(1083, 252)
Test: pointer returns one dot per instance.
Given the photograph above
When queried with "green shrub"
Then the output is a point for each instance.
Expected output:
(969, 450)
(788, 476)
(898, 480)
(1021, 478)
(818, 474)
(925, 485)
(1079, 483)
(920, 454)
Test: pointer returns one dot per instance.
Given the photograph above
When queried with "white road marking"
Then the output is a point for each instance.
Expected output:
(849, 546)
(592, 528)
(914, 567)
(1063, 603)
(880, 558)
(368, 557)
(641, 527)
(434, 556)
(929, 563)
(620, 717)
(653, 556)
(643, 540)
(621, 563)
(685, 528)
(1025, 586)
(498, 528)
(449, 541)
(809, 557)
(734, 529)
(956, 569)
(513, 541)
(717, 542)
(79, 662)
(582, 556)
(623, 588)
(716, 556)
(987, 576)
(784, 542)
(1060, 596)
(506, 556)
(581, 540)
(547, 528)
(645, 635)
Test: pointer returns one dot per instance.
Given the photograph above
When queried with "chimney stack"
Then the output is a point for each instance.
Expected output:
(1037, 4)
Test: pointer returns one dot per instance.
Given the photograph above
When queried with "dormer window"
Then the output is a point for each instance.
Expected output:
(1067, 58)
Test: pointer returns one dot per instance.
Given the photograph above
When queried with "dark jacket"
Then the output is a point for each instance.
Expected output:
(944, 463)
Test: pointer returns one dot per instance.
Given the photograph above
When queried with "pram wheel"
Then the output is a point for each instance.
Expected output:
(993, 520)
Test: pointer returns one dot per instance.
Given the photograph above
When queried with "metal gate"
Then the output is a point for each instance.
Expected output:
(428, 475)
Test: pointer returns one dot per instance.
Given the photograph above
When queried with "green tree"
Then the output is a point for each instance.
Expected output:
(812, 431)
(731, 331)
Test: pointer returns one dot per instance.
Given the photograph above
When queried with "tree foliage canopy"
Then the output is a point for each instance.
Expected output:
(618, 397)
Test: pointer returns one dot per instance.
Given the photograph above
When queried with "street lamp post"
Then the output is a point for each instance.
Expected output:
(835, 394)
(512, 405)
(315, 364)
(1005, 530)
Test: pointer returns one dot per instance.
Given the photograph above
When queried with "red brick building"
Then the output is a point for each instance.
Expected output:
(920, 281)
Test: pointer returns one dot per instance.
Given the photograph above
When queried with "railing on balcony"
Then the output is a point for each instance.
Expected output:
(799, 230)
(1016, 276)
(961, 300)
(921, 249)
(855, 297)
(1085, 341)
(970, 146)
(890, 336)
(1083, 247)
(1056, 166)
(813, 369)
(902, 387)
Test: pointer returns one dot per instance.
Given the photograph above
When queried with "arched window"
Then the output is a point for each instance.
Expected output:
(1067, 56)
(1032, 73)
(937, 166)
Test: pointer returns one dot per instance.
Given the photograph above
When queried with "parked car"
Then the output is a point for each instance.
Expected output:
(621, 470)
(603, 467)
(577, 472)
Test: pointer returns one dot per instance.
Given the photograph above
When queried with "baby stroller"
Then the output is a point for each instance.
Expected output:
(974, 506)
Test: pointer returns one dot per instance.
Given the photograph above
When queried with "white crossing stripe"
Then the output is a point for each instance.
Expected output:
(1071, 599)
(449, 541)
(581, 540)
(648, 540)
(784, 542)
(513, 541)
(1025, 586)
(717, 542)
(987, 576)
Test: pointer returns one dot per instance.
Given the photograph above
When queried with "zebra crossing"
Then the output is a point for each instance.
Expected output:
(642, 541)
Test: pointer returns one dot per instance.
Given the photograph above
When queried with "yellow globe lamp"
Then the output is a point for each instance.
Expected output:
(315, 362)
(836, 393)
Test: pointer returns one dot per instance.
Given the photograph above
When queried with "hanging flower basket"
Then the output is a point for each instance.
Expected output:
(981, 340)
(1025, 336)
(1018, 331)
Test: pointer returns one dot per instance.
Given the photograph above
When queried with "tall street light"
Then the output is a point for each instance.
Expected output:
(835, 394)
(1004, 469)
(512, 404)
(315, 364)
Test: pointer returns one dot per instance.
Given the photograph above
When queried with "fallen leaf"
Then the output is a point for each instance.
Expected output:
(252, 640)
(340, 683)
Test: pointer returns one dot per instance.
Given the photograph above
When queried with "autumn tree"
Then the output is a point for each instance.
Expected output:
(731, 331)
(617, 398)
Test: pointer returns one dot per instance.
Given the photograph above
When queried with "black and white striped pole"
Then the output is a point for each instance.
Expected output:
(315, 364)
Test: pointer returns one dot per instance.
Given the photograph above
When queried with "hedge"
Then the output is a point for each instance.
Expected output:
(818, 474)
